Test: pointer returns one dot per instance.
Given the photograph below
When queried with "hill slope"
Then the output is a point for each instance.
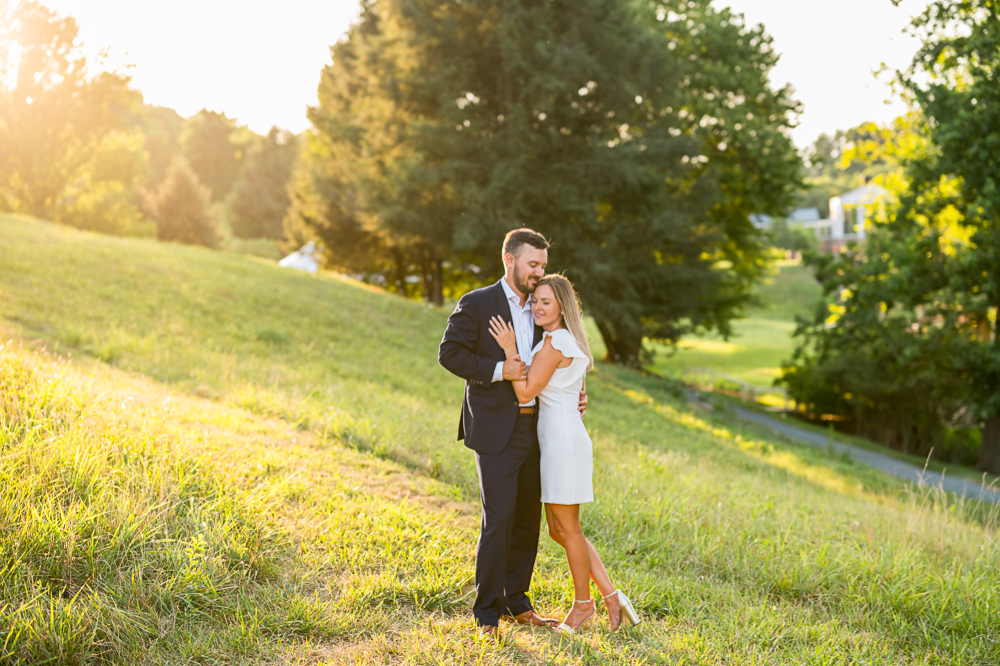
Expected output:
(762, 341)
(258, 514)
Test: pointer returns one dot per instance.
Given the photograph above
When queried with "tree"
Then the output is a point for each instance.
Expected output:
(955, 187)
(181, 208)
(638, 143)
(214, 146)
(259, 200)
(913, 313)
(68, 140)
(162, 128)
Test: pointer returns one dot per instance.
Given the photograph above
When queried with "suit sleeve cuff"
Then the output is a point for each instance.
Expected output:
(498, 372)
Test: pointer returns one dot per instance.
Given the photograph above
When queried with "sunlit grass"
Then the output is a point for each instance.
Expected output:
(300, 496)
(760, 343)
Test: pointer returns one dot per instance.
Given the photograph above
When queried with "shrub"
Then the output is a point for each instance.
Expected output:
(181, 210)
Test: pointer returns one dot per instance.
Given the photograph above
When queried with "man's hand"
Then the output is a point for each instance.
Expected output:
(583, 402)
(514, 370)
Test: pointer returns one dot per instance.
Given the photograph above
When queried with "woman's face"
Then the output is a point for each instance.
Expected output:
(545, 308)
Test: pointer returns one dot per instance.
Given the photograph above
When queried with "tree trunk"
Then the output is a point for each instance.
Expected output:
(437, 288)
(399, 270)
(623, 348)
(989, 450)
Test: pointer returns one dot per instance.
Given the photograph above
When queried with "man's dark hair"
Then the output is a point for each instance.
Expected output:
(518, 238)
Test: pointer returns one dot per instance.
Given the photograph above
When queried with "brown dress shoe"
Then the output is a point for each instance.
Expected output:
(488, 631)
(532, 618)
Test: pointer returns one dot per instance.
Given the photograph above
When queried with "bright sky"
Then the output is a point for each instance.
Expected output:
(260, 61)
(830, 51)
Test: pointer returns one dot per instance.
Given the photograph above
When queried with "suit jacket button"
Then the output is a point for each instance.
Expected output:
(516, 403)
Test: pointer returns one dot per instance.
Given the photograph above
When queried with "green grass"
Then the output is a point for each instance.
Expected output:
(760, 342)
(300, 498)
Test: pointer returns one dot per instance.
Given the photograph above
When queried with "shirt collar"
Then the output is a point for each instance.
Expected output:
(512, 297)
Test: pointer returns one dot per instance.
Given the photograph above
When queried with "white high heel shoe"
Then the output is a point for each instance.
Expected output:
(593, 609)
(628, 611)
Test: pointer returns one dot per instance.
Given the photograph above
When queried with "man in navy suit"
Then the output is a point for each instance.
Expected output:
(502, 432)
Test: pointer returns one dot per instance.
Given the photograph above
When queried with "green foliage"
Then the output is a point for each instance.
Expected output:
(215, 146)
(621, 131)
(162, 128)
(787, 236)
(847, 160)
(760, 341)
(181, 208)
(259, 200)
(908, 342)
(328, 413)
(69, 150)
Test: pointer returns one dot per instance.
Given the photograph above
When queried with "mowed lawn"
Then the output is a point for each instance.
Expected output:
(760, 342)
(208, 459)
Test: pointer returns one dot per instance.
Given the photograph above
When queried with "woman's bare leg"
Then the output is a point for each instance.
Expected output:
(565, 529)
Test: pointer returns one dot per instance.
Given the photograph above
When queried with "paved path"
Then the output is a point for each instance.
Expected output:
(879, 461)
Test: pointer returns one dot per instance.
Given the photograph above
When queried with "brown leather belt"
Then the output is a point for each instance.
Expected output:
(528, 411)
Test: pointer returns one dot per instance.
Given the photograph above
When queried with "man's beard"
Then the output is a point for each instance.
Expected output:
(524, 285)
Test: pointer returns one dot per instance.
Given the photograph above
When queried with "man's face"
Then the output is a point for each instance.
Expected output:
(527, 268)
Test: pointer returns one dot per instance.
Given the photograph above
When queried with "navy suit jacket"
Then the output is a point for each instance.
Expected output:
(467, 349)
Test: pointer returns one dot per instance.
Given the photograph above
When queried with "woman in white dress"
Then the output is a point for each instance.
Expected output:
(558, 366)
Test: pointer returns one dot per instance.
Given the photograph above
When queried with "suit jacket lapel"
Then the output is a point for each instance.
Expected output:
(503, 305)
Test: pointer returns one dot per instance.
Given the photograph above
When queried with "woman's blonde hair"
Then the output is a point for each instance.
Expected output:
(572, 313)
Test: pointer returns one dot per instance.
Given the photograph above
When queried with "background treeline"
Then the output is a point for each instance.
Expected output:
(83, 149)
(904, 345)
(638, 136)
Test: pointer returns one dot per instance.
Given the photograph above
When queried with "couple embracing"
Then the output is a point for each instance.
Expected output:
(520, 346)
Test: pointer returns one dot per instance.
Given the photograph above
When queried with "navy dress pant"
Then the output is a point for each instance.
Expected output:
(510, 489)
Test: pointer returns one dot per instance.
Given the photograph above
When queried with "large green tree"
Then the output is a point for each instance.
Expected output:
(638, 136)
(214, 145)
(70, 149)
(911, 346)
(955, 79)
(259, 199)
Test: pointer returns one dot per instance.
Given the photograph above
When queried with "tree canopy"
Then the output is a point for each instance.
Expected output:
(70, 147)
(638, 136)
(906, 340)
(259, 199)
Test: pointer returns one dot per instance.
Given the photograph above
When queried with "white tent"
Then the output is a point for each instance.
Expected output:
(306, 258)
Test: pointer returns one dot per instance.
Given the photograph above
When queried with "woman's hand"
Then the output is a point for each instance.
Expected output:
(503, 333)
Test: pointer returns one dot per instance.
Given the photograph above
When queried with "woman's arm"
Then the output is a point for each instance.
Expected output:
(543, 366)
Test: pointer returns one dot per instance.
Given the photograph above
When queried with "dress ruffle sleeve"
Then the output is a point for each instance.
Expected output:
(566, 344)
(564, 341)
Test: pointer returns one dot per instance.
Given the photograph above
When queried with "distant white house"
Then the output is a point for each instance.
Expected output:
(804, 215)
(763, 221)
(306, 258)
(849, 213)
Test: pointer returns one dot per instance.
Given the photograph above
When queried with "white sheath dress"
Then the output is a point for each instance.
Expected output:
(567, 462)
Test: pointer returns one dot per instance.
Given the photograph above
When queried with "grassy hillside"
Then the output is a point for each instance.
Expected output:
(239, 463)
(761, 342)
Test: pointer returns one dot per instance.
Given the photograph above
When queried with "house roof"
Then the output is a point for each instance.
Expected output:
(864, 194)
(804, 215)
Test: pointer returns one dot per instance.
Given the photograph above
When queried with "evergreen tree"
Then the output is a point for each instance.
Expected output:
(162, 127)
(214, 147)
(259, 200)
(181, 208)
(625, 133)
